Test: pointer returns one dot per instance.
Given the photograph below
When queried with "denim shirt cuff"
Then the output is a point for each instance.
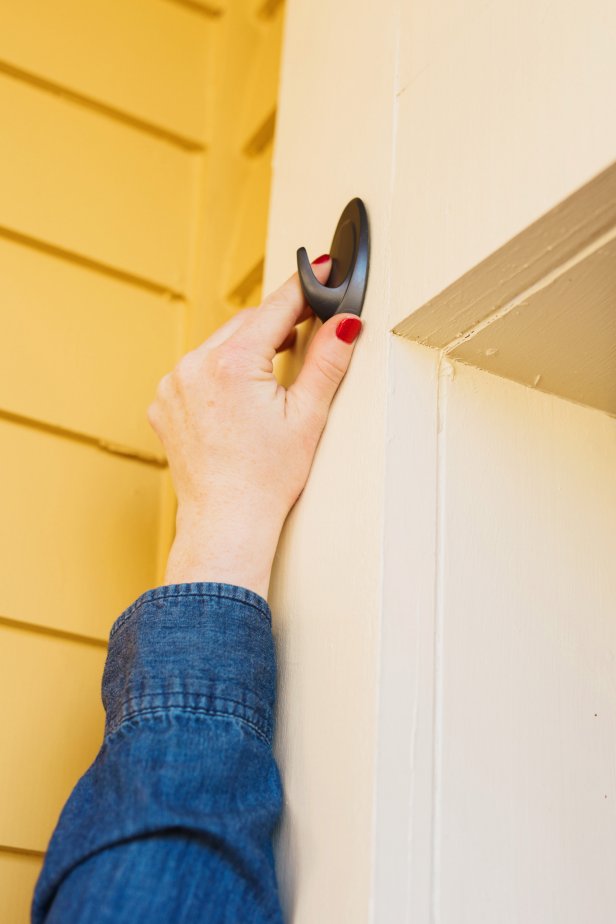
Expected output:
(201, 648)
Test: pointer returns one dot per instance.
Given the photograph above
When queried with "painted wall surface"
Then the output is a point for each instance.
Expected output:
(334, 141)
(459, 124)
(525, 694)
(134, 178)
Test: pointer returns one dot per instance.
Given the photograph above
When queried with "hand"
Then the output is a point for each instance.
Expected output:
(239, 445)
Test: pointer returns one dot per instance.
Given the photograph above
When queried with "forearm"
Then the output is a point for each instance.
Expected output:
(174, 819)
(236, 546)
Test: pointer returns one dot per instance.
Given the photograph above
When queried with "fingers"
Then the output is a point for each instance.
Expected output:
(326, 363)
(227, 330)
(271, 326)
(234, 324)
(281, 311)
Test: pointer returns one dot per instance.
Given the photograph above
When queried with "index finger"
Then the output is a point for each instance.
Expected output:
(273, 321)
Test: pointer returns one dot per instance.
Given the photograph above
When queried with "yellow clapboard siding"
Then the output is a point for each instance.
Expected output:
(267, 8)
(79, 531)
(18, 875)
(247, 243)
(209, 7)
(86, 183)
(101, 205)
(230, 266)
(258, 114)
(111, 51)
(52, 726)
(82, 350)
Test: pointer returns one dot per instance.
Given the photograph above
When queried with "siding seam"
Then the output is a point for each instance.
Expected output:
(115, 449)
(211, 11)
(90, 263)
(22, 851)
(51, 631)
(118, 115)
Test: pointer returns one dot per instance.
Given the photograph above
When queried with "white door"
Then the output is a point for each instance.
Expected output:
(444, 595)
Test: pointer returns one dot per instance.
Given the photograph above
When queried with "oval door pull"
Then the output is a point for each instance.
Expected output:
(350, 252)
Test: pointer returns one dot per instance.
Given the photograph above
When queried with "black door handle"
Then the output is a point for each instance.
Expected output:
(350, 252)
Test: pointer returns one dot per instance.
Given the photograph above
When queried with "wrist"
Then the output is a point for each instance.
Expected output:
(233, 550)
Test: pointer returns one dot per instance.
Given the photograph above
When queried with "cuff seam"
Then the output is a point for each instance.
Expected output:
(211, 590)
(115, 727)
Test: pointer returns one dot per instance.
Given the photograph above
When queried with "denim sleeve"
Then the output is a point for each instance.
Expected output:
(173, 821)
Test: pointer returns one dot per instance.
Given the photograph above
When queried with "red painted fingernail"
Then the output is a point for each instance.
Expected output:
(348, 329)
(322, 259)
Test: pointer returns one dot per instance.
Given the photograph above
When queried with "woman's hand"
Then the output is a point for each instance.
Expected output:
(239, 445)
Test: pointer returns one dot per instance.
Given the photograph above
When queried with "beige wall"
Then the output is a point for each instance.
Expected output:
(405, 618)
(325, 592)
(525, 726)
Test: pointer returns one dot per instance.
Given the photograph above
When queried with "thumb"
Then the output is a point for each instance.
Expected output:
(327, 360)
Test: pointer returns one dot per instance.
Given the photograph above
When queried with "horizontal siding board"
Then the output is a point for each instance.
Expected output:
(208, 7)
(262, 83)
(247, 243)
(81, 350)
(266, 8)
(81, 181)
(18, 875)
(79, 531)
(44, 750)
(111, 51)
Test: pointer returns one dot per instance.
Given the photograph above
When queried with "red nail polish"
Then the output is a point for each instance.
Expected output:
(348, 329)
(322, 259)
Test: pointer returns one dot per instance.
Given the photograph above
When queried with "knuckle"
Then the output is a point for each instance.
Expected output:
(184, 374)
(163, 388)
(153, 416)
(222, 364)
(227, 361)
(185, 378)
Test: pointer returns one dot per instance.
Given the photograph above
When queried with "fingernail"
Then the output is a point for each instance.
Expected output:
(348, 329)
(322, 259)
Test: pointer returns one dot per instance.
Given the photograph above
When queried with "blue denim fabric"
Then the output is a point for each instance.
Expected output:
(173, 821)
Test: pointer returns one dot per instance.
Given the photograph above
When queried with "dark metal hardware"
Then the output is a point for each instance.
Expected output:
(350, 252)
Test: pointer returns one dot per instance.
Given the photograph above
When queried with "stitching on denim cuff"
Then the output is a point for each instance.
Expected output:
(169, 692)
(256, 712)
(206, 590)
(114, 727)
